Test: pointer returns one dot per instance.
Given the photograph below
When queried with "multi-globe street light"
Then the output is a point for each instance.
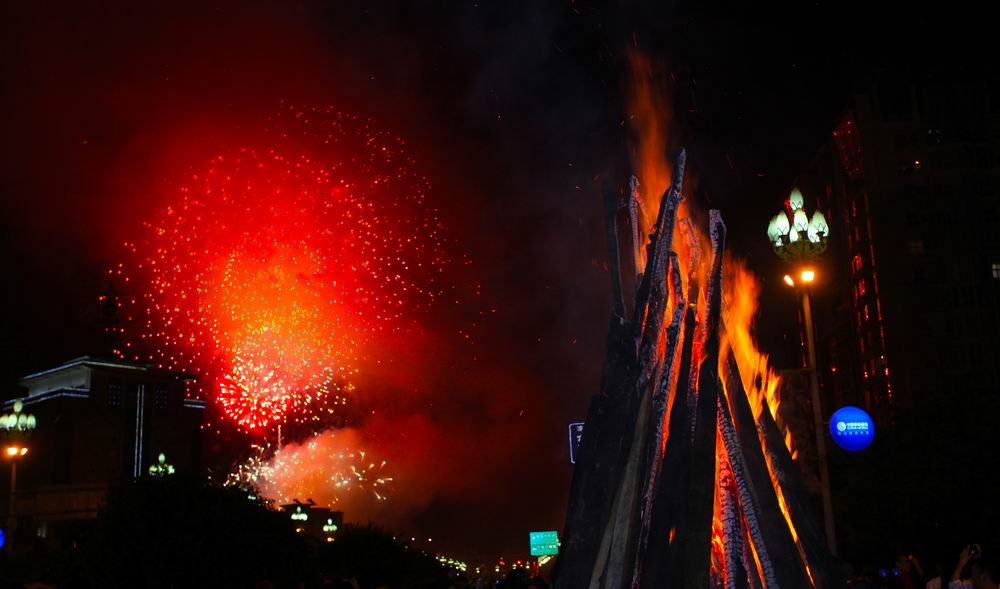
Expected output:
(799, 240)
(793, 235)
(17, 426)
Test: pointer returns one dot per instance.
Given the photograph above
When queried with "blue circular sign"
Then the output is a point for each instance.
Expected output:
(852, 429)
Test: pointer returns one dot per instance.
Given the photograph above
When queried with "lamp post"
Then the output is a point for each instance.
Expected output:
(799, 240)
(16, 425)
(162, 468)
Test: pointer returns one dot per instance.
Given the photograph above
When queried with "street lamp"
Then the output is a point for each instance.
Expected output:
(162, 468)
(15, 421)
(799, 240)
(16, 425)
(793, 235)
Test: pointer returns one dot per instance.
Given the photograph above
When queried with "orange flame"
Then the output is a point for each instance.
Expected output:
(650, 117)
(740, 293)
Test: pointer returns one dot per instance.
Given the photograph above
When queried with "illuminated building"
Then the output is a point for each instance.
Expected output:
(911, 174)
(98, 422)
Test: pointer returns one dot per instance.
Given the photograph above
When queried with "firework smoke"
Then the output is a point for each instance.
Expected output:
(330, 468)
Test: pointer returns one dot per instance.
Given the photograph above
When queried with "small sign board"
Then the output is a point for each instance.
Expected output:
(852, 428)
(543, 543)
(575, 434)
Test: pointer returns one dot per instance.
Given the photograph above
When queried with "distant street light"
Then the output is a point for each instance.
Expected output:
(799, 240)
(161, 468)
(15, 421)
(16, 425)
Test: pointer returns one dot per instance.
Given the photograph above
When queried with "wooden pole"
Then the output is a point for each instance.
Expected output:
(825, 572)
(732, 525)
(788, 571)
(701, 502)
(658, 427)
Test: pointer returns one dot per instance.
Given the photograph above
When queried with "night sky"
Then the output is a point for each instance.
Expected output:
(512, 109)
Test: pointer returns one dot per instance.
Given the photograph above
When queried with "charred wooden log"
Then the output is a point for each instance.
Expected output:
(825, 573)
(788, 571)
(661, 563)
(732, 525)
(694, 271)
(701, 501)
(750, 563)
(654, 449)
(747, 497)
(635, 222)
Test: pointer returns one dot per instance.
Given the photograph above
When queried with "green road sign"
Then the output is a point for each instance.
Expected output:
(543, 543)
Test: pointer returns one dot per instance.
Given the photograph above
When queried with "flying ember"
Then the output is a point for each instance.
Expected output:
(277, 265)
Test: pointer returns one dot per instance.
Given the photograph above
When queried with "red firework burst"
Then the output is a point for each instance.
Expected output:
(275, 267)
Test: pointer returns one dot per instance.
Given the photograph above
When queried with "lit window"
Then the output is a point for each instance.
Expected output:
(996, 270)
(861, 287)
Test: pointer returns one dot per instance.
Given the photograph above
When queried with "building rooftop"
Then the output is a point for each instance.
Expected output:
(94, 362)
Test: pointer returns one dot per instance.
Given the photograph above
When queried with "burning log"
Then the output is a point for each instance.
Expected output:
(654, 449)
(824, 571)
(750, 563)
(634, 211)
(697, 535)
(664, 230)
(732, 526)
(661, 562)
(775, 533)
(747, 498)
(694, 265)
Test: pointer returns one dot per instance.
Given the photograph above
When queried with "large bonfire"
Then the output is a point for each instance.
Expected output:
(686, 477)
